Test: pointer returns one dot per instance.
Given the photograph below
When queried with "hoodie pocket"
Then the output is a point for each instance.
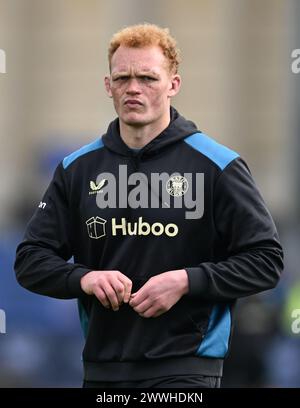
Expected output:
(198, 313)
(177, 332)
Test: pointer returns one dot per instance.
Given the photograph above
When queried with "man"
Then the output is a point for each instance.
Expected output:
(166, 227)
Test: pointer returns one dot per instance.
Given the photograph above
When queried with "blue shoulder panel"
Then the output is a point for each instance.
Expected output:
(97, 144)
(215, 151)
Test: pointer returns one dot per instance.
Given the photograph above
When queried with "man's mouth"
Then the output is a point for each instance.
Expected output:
(132, 103)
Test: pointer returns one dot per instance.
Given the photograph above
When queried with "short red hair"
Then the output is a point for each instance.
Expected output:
(147, 35)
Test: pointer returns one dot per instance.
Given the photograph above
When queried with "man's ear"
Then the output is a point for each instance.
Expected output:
(107, 86)
(174, 85)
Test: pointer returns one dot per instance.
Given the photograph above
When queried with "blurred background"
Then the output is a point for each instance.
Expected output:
(238, 87)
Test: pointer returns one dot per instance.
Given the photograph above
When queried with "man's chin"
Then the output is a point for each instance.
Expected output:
(135, 121)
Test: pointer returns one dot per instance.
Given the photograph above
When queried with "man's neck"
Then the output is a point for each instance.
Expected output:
(138, 137)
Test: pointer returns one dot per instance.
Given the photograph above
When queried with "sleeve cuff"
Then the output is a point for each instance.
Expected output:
(74, 281)
(198, 281)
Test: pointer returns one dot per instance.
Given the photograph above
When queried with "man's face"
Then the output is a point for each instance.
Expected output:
(141, 85)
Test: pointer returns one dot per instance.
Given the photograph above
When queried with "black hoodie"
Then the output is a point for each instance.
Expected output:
(182, 201)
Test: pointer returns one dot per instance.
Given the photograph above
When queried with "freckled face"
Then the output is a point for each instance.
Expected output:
(141, 85)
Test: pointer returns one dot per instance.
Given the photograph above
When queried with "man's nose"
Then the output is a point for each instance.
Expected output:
(133, 86)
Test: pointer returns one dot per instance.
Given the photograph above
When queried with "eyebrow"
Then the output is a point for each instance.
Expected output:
(139, 73)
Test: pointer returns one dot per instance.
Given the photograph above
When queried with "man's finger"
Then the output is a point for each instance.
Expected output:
(119, 289)
(142, 307)
(112, 297)
(159, 312)
(128, 288)
(101, 296)
(139, 296)
(151, 312)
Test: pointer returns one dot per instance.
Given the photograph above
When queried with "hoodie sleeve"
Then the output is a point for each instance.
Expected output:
(246, 230)
(41, 259)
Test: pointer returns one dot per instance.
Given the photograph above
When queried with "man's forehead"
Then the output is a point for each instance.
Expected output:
(141, 59)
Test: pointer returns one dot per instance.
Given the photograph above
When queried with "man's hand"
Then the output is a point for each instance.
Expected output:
(111, 288)
(160, 293)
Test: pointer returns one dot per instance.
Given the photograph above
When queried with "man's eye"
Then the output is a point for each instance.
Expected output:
(147, 78)
(121, 78)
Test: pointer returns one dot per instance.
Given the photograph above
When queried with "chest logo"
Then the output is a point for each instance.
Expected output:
(96, 227)
(177, 186)
(96, 188)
